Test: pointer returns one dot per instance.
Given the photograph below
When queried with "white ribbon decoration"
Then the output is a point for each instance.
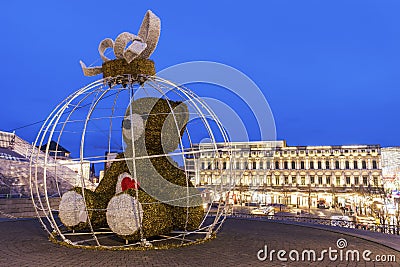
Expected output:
(142, 45)
(150, 32)
(132, 52)
(106, 43)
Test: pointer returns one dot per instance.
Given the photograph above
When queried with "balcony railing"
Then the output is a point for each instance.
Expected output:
(383, 228)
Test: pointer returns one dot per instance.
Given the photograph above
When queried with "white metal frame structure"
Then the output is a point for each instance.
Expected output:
(91, 117)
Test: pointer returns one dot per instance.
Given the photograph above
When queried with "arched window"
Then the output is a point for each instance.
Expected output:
(328, 180)
(337, 164)
(364, 164)
(311, 164)
(355, 163)
(374, 164)
(347, 164)
(276, 165)
(293, 165)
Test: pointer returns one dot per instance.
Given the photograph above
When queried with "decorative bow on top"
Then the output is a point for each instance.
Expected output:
(141, 45)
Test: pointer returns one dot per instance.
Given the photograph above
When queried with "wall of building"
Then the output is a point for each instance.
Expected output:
(391, 167)
(296, 175)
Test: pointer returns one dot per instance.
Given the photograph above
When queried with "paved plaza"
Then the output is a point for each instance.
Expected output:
(24, 243)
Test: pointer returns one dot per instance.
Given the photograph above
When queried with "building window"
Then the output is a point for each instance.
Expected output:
(261, 165)
(285, 165)
(356, 180)
(224, 165)
(294, 180)
(328, 180)
(338, 181)
(347, 164)
(216, 165)
(224, 180)
(319, 165)
(319, 179)
(246, 165)
(293, 165)
(347, 180)
(277, 180)
(375, 181)
(286, 180)
(254, 165)
(327, 164)
(303, 180)
(364, 164)
(237, 165)
(374, 164)
(311, 164)
(355, 163)
(269, 181)
(365, 180)
(268, 165)
(276, 165)
(312, 179)
(302, 165)
(203, 165)
(337, 164)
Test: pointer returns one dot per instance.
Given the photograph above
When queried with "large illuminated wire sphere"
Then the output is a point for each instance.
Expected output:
(117, 165)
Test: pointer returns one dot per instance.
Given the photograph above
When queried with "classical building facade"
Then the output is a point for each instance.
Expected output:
(391, 167)
(272, 172)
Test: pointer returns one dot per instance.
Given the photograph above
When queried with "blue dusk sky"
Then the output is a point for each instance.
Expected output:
(330, 70)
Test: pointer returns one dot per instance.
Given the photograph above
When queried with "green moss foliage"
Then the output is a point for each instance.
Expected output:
(162, 131)
(194, 217)
(107, 185)
(119, 67)
(161, 137)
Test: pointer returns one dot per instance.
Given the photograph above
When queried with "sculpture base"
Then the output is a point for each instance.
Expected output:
(125, 73)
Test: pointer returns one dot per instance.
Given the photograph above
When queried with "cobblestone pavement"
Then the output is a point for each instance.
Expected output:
(24, 243)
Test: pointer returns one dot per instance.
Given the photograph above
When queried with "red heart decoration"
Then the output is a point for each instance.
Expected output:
(128, 182)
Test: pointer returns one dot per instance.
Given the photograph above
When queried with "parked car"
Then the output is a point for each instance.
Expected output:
(263, 211)
(322, 206)
(342, 221)
(278, 207)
